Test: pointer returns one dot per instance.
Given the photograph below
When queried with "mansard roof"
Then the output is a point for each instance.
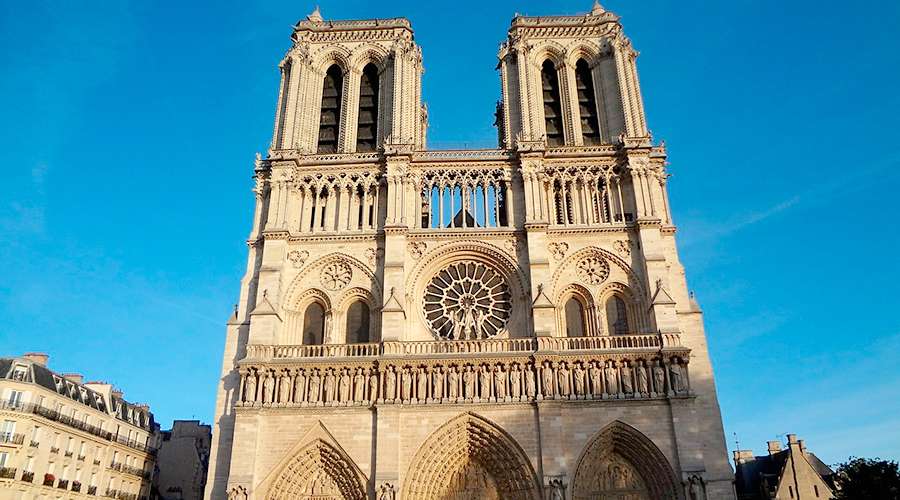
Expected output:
(42, 376)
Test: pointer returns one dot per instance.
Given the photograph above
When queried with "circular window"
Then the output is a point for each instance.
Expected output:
(467, 300)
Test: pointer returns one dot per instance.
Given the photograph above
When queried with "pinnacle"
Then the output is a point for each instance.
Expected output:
(315, 16)
(597, 9)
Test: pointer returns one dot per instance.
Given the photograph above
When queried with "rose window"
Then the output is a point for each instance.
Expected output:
(336, 275)
(467, 300)
(593, 269)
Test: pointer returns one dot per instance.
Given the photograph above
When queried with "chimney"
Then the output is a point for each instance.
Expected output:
(743, 456)
(802, 445)
(39, 358)
(116, 392)
(774, 447)
(74, 377)
(792, 439)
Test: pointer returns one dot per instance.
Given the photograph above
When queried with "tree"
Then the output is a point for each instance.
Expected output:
(867, 479)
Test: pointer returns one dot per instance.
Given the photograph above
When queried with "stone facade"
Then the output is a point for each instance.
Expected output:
(62, 438)
(792, 473)
(503, 323)
(183, 461)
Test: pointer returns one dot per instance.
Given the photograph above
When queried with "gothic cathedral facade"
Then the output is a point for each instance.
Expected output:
(509, 323)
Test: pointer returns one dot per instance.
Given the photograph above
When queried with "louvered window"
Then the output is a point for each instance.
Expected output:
(587, 103)
(329, 123)
(552, 109)
(367, 124)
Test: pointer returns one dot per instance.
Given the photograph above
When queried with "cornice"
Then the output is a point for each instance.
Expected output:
(570, 231)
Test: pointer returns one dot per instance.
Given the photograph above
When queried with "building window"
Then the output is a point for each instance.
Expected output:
(367, 122)
(314, 324)
(553, 122)
(7, 430)
(616, 316)
(330, 119)
(282, 113)
(15, 398)
(575, 318)
(358, 323)
(19, 373)
(816, 490)
(587, 103)
(4, 456)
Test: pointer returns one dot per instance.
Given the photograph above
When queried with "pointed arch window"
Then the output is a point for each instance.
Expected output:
(367, 122)
(587, 103)
(358, 323)
(616, 316)
(330, 120)
(575, 324)
(314, 324)
(553, 123)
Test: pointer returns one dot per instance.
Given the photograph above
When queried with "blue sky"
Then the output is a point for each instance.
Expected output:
(130, 127)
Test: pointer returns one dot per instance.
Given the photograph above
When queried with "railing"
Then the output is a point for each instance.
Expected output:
(12, 438)
(68, 454)
(27, 476)
(49, 479)
(34, 444)
(81, 458)
(486, 346)
(92, 490)
(127, 469)
(7, 473)
(516, 345)
(76, 486)
(77, 424)
(63, 484)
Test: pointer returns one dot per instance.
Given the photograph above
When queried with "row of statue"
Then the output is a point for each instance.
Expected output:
(496, 382)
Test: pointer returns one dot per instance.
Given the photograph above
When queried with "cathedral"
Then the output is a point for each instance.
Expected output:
(508, 323)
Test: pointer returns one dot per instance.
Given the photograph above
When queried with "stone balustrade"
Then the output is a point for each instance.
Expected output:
(442, 348)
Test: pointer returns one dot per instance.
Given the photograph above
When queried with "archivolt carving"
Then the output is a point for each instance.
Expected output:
(331, 54)
(357, 293)
(310, 295)
(621, 460)
(548, 49)
(470, 456)
(369, 53)
(320, 472)
(582, 49)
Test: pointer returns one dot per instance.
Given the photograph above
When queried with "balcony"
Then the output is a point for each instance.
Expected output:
(63, 484)
(127, 469)
(528, 345)
(27, 476)
(76, 486)
(13, 439)
(68, 454)
(49, 479)
(7, 473)
(54, 450)
(80, 458)
(73, 423)
(92, 490)
(34, 444)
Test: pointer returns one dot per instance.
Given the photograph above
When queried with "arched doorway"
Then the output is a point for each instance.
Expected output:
(468, 458)
(317, 472)
(620, 463)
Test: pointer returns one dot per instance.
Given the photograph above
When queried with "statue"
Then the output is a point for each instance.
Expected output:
(390, 384)
(499, 382)
(284, 390)
(373, 385)
(485, 379)
(422, 385)
(627, 386)
(563, 375)
(359, 386)
(642, 382)
(314, 382)
(406, 383)
(530, 385)
(344, 386)
(250, 389)
(578, 377)
(612, 387)
(437, 383)
(695, 488)
(675, 376)
(469, 383)
(659, 377)
(269, 388)
(596, 375)
(453, 383)
(330, 383)
(299, 387)
(557, 490)
(515, 380)
(480, 317)
(547, 378)
(386, 492)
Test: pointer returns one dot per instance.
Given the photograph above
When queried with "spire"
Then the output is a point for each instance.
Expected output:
(597, 9)
(315, 16)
